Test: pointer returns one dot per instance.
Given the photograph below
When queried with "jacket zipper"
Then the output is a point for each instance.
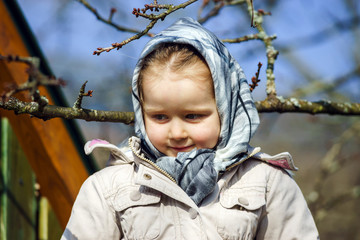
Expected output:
(150, 162)
(238, 163)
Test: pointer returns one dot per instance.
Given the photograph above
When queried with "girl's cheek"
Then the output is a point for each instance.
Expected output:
(207, 137)
(202, 135)
(155, 132)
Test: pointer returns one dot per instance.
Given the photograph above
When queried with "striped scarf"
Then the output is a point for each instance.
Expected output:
(196, 172)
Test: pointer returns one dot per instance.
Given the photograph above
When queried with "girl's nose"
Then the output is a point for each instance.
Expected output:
(177, 130)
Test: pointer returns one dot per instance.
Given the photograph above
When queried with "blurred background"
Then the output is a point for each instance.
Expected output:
(319, 44)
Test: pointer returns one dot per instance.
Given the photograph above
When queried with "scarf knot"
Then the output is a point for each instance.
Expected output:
(193, 171)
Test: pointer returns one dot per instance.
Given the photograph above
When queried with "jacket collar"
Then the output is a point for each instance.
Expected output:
(125, 155)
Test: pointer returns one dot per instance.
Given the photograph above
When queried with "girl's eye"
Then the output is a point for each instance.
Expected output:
(159, 117)
(193, 116)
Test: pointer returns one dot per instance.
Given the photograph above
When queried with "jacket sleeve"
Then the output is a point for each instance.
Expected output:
(91, 216)
(286, 214)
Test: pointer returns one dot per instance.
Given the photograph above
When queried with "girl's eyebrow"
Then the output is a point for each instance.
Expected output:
(197, 110)
(152, 109)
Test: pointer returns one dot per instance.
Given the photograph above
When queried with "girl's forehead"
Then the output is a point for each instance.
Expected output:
(199, 73)
(177, 95)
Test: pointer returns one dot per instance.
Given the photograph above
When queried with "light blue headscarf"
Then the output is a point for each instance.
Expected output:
(196, 172)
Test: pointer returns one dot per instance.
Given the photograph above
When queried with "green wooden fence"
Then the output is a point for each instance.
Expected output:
(25, 214)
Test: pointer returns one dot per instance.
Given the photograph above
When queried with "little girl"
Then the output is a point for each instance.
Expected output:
(190, 172)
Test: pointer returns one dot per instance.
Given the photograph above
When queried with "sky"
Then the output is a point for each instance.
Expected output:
(66, 30)
(68, 34)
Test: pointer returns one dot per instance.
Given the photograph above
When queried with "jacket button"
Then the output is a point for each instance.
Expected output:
(193, 213)
(147, 176)
(135, 195)
(243, 201)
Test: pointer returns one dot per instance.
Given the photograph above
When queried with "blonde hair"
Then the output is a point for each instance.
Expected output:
(174, 56)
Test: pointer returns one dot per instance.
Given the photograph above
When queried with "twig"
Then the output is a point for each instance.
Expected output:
(256, 21)
(36, 79)
(252, 14)
(321, 35)
(201, 9)
(216, 9)
(341, 198)
(330, 164)
(318, 86)
(82, 94)
(256, 36)
(255, 80)
(109, 20)
(153, 17)
(271, 52)
(152, 7)
(112, 12)
(119, 45)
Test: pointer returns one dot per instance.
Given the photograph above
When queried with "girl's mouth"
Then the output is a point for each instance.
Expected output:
(183, 149)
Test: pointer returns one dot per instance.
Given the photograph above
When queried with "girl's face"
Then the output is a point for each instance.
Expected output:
(179, 109)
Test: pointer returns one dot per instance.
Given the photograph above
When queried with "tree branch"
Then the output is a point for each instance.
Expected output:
(332, 162)
(276, 104)
(36, 79)
(318, 86)
(272, 103)
(153, 17)
(216, 9)
(109, 20)
(120, 45)
(322, 35)
(81, 95)
(51, 111)
(249, 37)
(271, 52)
(255, 79)
(287, 105)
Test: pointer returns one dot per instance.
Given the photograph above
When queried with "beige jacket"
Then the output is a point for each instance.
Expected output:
(133, 200)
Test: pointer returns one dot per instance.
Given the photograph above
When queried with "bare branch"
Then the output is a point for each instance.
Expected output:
(256, 36)
(282, 105)
(112, 12)
(36, 79)
(216, 10)
(272, 103)
(350, 194)
(256, 22)
(119, 45)
(321, 35)
(253, 24)
(51, 111)
(331, 163)
(271, 52)
(153, 17)
(109, 20)
(255, 80)
(318, 86)
(82, 94)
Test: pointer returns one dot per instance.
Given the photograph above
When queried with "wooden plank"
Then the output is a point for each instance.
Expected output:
(18, 226)
(18, 198)
(47, 145)
(49, 227)
(4, 181)
(21, 179)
